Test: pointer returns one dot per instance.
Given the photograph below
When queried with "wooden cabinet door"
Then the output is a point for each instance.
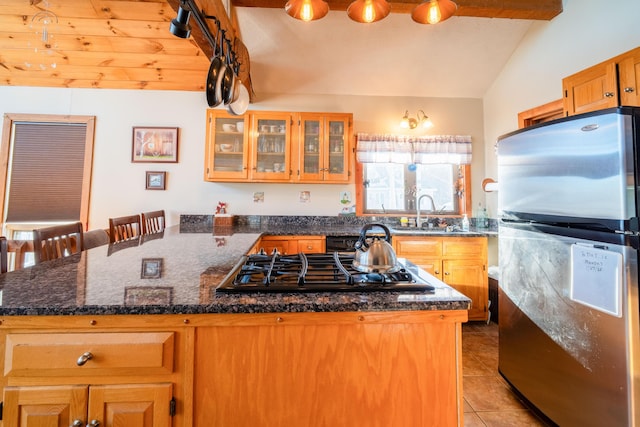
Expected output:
(271, 243)
(270, 157)
(337, 154)
(47, 406)
(140, 405)
(592, 89)
(227, 147)
(323, 148)
(629, 75)
(469, 277)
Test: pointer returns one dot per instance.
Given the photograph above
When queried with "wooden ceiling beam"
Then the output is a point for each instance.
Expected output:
(512, 9)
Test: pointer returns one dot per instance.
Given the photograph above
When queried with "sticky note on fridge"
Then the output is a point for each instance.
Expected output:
(596, 278)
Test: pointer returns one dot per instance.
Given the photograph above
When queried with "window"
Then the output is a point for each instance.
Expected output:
(392, 188)
(47, 175)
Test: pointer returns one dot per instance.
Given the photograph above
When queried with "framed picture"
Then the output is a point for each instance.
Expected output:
(151, 268)
(148, 295)
(154, 145)
(156, 180)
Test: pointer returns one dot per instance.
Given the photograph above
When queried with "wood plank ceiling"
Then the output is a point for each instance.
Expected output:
(126, 44)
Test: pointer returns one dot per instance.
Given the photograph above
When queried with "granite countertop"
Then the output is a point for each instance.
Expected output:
(192, 259)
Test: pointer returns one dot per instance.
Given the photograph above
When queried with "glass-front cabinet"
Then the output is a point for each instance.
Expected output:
(323, 148)
(271, 142)
(278, 147)
(227, 148)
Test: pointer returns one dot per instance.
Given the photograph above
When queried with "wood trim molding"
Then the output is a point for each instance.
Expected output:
(540, 114)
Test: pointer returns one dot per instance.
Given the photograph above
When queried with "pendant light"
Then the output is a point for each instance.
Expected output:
(367, 11)
(306, 10)
(433, 11)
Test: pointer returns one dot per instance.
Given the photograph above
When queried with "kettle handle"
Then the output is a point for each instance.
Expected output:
(363, 234)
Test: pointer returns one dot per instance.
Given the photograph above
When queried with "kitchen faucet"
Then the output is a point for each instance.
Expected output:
(433, 208)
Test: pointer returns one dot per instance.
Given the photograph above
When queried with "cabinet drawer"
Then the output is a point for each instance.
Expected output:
(464, 247)
(311, 246)
(424, 247)
(58, 354)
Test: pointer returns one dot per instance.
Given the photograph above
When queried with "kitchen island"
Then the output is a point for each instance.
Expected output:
(140, 332)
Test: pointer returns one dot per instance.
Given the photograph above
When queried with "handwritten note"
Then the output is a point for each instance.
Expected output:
(596, 278)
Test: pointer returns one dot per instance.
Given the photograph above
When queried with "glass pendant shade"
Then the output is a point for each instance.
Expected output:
(307, 10)
(367, 11)
(433, 11)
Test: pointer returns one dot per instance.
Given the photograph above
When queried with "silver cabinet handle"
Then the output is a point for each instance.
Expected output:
(628, 89)
(76, 423)
(84, 357)
(93, 423)
(608, 94)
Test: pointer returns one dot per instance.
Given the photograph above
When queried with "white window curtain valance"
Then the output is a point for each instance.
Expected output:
(432, 149)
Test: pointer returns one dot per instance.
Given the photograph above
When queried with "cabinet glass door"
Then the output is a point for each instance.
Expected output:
(336, 164)
(312, 136)
(271, 147)
(227, 145)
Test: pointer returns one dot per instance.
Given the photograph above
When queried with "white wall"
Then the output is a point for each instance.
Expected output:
(585, 33)
(118, 186)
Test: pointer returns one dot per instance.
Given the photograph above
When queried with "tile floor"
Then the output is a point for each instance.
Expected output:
(488, 399)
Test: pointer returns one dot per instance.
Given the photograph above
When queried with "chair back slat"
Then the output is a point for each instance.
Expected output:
(124, 228)
(4, 254)
(153, 222)
(57, 241)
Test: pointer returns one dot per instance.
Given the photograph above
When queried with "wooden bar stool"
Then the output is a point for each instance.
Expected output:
(153, 222)
(57, 241)
(124, 228)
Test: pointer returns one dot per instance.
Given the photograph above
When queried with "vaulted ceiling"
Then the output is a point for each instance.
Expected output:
(127, 44)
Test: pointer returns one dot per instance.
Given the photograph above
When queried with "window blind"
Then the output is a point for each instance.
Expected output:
(46, 172)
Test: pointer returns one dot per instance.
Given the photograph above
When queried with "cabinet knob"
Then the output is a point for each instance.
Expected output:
(608, 94)
(93, 423)
(628, 89)
(84, 357)
(437, 272)
(446, 273)
(76, 423)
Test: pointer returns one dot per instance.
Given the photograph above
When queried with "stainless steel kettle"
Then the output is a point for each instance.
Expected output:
(374, 254)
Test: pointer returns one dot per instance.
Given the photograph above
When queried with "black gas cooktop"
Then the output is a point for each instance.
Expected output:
(320, 272)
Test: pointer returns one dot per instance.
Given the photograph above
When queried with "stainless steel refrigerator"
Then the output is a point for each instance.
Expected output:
(568, 249)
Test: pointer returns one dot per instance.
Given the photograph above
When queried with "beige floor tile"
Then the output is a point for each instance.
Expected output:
(466, 407)
(472, 365)
(523, 418)
(488, 359)
(489, 393)
(473, 420)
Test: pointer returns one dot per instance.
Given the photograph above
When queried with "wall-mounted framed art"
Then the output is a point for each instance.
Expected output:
(154, 145)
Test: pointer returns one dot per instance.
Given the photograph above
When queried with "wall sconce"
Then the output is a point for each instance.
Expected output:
(411, 123)
(306, 10)
(367, 11)
(433, 11)
(180, 25)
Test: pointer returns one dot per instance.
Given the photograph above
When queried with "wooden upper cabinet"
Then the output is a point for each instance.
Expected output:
(629, 74)
(323, 148)
(279, 147)
(605, 85)
(270, 147)
(227, 147)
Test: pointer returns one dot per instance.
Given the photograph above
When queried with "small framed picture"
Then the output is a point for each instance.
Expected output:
(151, 268)
(156, 180)
(154, 145)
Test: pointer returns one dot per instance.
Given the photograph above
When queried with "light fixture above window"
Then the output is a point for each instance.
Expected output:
(367, 11)
(433, 11)
(410, 123)
(306, 10)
